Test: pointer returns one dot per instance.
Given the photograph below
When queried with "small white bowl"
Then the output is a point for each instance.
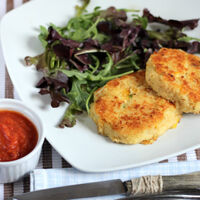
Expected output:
(13, 170)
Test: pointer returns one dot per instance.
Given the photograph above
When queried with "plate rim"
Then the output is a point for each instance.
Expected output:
(14, 80)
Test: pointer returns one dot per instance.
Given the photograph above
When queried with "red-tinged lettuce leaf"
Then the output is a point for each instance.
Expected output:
(58, 82)
(54, 86)
(111, 48)
(78, 65)
(193, 23)
(54, 36)
(116, 56)
(106, 27)
(70, 43)
(120, 23)
(83, 58)
(66, 49)
(39, 61)
(113, 13)
(90, 43)
(129, 35)
(57, 98)
(63, 51)
(194, 47)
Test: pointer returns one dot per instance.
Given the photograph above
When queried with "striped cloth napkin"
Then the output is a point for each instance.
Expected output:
(49, 178)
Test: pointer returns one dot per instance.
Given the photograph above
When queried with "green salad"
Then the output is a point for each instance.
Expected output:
(95, 47)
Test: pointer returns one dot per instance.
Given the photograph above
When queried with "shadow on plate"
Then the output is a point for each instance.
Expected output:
(88, 123)
(35, 45)
(45, 100)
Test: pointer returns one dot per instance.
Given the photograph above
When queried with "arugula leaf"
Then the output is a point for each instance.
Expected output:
(107, 66)
(69, 118)
(89, 98)
(81, 9)
(83, 27)
(125, 62)
(78, 96)
(78, 93)
(142, 21)
(162, 36)
(188, 39)
(43, 36)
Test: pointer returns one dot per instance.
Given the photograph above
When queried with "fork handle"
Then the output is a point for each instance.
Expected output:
(176, 194)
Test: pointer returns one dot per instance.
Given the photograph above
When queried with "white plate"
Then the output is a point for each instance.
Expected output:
(81, 146)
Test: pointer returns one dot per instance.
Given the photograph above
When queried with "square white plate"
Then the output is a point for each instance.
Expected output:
(81, 146)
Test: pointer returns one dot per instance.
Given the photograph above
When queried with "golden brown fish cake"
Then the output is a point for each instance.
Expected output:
(128, 111)
(175, 75)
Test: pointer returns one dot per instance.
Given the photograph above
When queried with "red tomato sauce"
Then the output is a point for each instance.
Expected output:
(18, 135)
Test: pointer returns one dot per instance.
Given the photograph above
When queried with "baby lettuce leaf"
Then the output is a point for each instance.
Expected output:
(193, 23)
(82, 8)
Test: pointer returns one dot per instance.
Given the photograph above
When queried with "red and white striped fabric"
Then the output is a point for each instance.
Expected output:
(49, 157)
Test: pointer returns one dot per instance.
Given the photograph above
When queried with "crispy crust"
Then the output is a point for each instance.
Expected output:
(128, 111)
(175, 75)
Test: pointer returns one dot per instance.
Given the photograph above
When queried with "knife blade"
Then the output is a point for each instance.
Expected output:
(77, 191)
(145, 185)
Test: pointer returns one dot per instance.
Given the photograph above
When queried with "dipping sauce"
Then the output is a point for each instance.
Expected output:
(18, 135)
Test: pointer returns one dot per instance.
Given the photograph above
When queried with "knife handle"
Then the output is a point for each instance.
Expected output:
(144, 185)
(158, 184)
(184, 181)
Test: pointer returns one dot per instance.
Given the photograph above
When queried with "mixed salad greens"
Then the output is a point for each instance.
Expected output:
(96, 47)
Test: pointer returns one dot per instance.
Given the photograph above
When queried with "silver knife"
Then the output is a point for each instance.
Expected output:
(176, 194)
(77, 191)
(113, 187)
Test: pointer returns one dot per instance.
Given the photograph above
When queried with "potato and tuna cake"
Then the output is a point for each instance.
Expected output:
(128, 111)
(175, 75)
